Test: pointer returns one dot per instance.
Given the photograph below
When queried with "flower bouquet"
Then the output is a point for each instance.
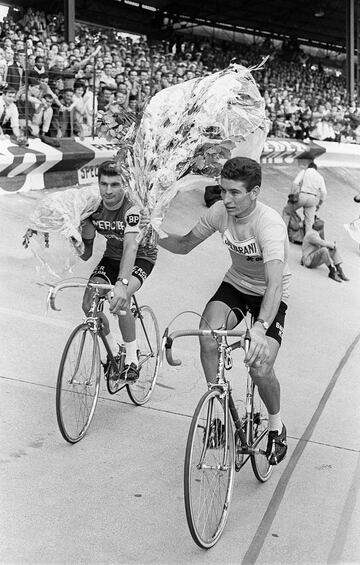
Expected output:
(53, 232)
(194, 127)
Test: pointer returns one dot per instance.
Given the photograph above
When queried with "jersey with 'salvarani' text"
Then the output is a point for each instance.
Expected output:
(252, 241)
(114, 224)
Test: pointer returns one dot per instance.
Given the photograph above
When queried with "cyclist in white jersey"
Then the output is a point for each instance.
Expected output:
(257, 281)
(125, 263)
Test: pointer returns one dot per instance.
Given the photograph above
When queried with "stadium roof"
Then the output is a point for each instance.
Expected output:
(311, 20)
(317, 22)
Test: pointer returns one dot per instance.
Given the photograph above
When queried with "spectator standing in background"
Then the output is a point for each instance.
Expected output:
(107, 76)
(3, 67)
(9, 114)
(16, 74)
(29, 105)
(310, 185)
(42, 117)
(105, 98)
(66, 114)
(39, 68)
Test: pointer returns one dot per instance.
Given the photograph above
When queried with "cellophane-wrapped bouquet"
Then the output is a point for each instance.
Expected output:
(53, 230)
(194, 127)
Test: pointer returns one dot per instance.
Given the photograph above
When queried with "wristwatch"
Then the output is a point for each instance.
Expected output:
(125, 282)
(264, 324)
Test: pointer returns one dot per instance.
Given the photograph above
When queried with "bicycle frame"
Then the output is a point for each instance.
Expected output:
(225, 362)
(137, 312)
(93, 320)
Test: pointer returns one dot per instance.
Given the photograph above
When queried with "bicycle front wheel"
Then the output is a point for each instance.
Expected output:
(259, 436)
(148, 343)
(209, 470)
(78, 384)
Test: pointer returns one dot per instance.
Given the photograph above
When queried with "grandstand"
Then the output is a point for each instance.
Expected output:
(75, 67)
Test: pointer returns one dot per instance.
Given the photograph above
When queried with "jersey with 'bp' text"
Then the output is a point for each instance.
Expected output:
(113, 225)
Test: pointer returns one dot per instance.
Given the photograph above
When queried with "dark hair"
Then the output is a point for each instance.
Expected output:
(312, 165)
(79, 84)
(109, 168)
(244, 169)
(9, 89)
(33, 79)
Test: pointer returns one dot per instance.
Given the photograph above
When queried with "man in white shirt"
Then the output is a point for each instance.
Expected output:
(310, 186)
(9, 114)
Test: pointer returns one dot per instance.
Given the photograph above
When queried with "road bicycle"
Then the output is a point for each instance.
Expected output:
(220, 441)
(78, 381)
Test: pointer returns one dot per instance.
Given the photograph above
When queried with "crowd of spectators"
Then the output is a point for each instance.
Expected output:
(52, 88)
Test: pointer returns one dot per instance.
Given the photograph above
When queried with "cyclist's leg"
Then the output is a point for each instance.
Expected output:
(269, 388)
(103, 273)
(266, 381)
(141, 271)
(215, 315)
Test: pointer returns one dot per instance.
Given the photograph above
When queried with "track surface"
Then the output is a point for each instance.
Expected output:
(117, 496)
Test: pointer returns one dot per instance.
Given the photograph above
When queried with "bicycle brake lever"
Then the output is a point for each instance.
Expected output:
(51, 301)
(168, 353)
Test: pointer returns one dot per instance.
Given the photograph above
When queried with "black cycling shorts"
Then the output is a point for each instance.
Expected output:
(108, 269)
(234, 298)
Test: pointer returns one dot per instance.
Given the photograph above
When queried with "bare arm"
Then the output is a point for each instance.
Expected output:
(121, 298)
(180, 244)
(315, 239)
(273, 293)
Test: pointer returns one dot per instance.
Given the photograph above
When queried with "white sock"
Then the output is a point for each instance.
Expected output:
(131, 352)
(275, 423)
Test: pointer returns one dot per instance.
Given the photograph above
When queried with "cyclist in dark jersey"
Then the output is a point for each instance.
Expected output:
(257, 282)
(125, 263)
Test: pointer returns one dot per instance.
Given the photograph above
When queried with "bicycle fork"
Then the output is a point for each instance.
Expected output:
(223, 466)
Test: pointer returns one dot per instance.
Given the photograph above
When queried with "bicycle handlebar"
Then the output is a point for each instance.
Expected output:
(51, 297)
(169, 339)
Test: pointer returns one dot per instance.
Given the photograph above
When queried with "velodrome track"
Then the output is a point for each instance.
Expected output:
(117, 496)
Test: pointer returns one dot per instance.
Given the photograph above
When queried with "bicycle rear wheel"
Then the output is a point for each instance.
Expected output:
(258, 436)
(209, 470)
(148, 342)
(78, 384)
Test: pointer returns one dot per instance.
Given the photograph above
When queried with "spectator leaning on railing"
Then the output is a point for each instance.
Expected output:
(302, 99)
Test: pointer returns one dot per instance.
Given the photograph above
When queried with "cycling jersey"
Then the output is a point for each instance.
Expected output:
(252, 241)
(113, 225)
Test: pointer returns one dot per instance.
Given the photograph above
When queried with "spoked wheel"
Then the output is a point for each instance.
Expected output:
(148, 342)
(208, 470)
(78, 384)
(260, 464)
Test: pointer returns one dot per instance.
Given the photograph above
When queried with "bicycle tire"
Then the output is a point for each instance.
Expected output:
(207, 492)
(259, 433)
(78, 383)
(149, 356)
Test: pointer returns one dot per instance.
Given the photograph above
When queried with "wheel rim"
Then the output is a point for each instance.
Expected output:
(208, 490)
(260, 463)
(148, 354)
(78, 384)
